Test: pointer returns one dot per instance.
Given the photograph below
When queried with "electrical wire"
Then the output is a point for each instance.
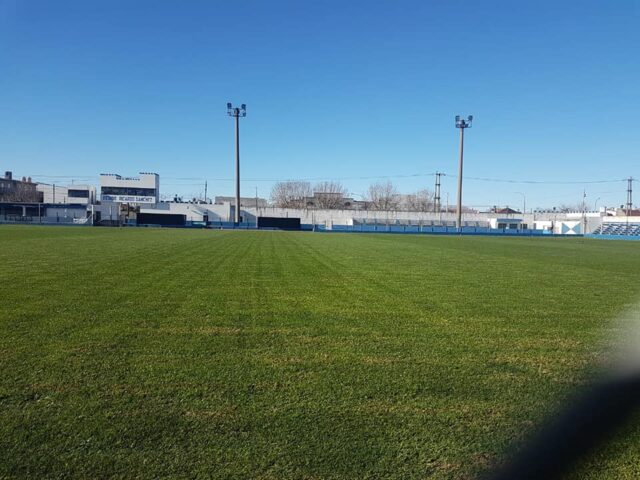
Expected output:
(369, 177)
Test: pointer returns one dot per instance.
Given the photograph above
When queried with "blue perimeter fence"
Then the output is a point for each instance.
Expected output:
(612, 237)
(397, 229)
(402, 229)
(363, 228)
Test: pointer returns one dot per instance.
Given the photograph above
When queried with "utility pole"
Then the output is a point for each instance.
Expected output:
(629, 195)
(236, 113)
(524, 202)
(462, 124)
(584, 211)
(54, 193)
(436, 194)
(205, 191)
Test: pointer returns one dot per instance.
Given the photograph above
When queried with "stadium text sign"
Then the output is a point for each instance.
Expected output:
(128, 199)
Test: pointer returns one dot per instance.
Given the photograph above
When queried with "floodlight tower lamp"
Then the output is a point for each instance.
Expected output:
(462, 123)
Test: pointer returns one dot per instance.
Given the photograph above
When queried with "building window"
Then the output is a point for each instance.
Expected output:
(139, 192)
(79, 193)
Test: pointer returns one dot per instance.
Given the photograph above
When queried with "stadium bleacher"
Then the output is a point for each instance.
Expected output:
(630, 229)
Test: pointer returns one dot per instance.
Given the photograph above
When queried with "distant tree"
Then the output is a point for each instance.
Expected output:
(290, 194)
(420, 201)
(383, 196)
(20, 192)
(573, 207)
(329, 194)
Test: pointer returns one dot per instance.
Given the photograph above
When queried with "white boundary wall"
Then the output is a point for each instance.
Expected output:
(559, 222)
(567, 223)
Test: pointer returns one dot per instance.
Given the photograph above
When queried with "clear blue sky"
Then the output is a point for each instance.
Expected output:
(334, 89)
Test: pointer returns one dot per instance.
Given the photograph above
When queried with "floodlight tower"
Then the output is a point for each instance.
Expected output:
(237, 113)
(462, 124)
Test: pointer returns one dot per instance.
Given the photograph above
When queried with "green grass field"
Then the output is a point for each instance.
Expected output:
(147, 353)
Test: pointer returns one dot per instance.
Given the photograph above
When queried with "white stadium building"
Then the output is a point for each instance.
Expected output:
(143, 190)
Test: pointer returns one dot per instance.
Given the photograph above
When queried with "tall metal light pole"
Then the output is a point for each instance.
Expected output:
(237, 113)
(462, 124)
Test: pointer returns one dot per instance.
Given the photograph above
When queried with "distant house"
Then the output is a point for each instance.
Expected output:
(632, 213)
(244, 201)
(18, 190)
(505, 211)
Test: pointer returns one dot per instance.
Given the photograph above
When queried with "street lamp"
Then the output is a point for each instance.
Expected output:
(237, 113)
(524, 202)
(595, 205)
(462, 124)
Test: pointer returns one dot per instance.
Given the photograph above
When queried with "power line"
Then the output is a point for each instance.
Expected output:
(368, 177)
(545, 182)
(66, 176)
(413, 175)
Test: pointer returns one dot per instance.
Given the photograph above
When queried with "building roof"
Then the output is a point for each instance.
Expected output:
(505, 211)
